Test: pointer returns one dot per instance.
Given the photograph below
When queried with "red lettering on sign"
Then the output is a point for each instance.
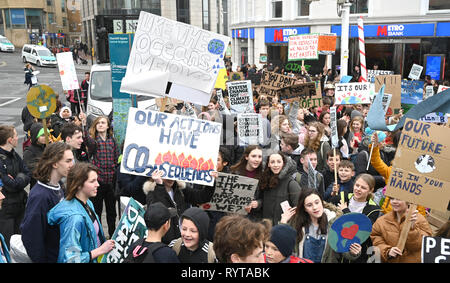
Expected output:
(382, 30)
(278, 35)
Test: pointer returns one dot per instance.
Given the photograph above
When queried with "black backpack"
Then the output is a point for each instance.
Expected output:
(141, 254)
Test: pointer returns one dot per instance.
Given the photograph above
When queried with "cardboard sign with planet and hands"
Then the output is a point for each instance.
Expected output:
(348, 229)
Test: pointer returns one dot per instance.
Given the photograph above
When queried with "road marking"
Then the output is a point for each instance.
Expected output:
(11, 101)
(3, 64)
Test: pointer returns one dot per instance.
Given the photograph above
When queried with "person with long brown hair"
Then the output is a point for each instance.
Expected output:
(318, 141)
(276, 186)
(103, 149)
(81, 233)
(39, 238)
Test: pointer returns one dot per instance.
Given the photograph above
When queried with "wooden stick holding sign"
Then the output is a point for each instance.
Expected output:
(406, 227)
(334, 138)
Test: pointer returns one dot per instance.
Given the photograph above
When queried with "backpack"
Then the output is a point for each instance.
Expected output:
(211, 254)
(141, 254)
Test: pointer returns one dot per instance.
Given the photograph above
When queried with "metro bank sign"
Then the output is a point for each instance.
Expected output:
(281, 35)
(390, 30)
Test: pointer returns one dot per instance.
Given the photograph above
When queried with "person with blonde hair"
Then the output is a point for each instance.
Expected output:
(318, 141)
(81, 233)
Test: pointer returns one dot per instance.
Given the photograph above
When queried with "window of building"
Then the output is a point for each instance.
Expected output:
(439, 5)
(34, 17)
(183, 11)
(277, 9)
(205, 15)
(64, 20)
(17, 18)
(303, 7)
(7, 18)
(152, 6)
(63, 5)
(359, 7)
(49, 2)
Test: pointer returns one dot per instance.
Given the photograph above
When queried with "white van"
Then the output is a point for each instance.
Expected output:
(6, 45)
(99, 102)
(39, 55)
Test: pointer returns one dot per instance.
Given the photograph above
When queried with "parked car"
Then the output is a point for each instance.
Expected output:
(100, 101)
(39, 55)
(6, 45)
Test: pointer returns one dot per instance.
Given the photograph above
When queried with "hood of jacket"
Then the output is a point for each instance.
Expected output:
(34, 131)
(288, 169)
(200, 219)
(149, 186)
(62, 211)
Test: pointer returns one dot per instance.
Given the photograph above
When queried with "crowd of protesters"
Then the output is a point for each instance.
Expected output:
(70, 178)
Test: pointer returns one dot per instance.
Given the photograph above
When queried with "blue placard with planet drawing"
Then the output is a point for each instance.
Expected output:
(348, 229)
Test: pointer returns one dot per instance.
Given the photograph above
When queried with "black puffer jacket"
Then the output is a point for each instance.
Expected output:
(33, 153)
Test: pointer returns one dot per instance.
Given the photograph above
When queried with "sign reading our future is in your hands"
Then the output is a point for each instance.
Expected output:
(184, 148)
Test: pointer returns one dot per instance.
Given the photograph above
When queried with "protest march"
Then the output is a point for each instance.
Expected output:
(269, 164)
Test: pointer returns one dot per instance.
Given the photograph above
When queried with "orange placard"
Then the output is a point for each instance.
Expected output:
(327, 43)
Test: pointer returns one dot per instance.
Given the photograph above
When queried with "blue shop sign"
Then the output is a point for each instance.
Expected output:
(443, 29)
(17, 16)
(281, 35)
(243, 33)
(390, 30)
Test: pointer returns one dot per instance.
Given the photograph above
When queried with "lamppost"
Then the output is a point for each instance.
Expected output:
(343, 10)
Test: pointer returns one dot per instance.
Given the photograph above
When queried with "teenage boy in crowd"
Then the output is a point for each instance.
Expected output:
(151, 249)
(328, 171)
(310, 178)
(290, 146)
(15, 177)
(72, 135)
(346, 173)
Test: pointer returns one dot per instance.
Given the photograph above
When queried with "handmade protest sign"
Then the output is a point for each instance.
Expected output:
(412, 92)
(348, 229)
(240, 95)
(272, 82)
(429, 92)
(295, 67)
(41, 103)
(130, 229)
(236, 76)
(435, 250)
(386, 101)
(166, 51)
(420, 167)
(375, 118)
(67, 71)
(299, 92)
(434, 118)
(250, 129)
(393, 86)
(222, 106)
(222, 78)
(352, 93)
(415, 72)
(232, 193)
(174, 144)
(371, 74)
(333, 126)
(442, 88)
(327, 44)
(303, 47)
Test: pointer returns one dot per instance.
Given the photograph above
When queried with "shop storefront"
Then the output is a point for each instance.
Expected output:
(244, 44)
(397, 47)
(277, 39)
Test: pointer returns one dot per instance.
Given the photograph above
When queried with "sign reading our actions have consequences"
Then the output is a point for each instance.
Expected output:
(420, 168)
(232, 193)
(184, 148)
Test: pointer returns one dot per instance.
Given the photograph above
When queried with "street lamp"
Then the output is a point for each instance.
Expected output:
(343, 10)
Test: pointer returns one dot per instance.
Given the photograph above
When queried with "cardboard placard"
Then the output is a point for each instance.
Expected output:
(249, 129)
(171, 143)
(130, 229)
(236, 76)
(272, 82)
(303, 47)
(232, 193)
(420, 167)
(435, 250)
(41, 101)
(412, 92)
(240, 95)
(352, 93)
(371, 74)
(298, 92)
(327, 44)
(393, 85)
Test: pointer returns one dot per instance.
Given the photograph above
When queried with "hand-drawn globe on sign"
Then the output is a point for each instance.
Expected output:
(351, 100)
(348, 229)
(41, 101)
(216, 46)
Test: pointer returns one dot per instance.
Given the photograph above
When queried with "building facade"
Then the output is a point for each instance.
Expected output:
(100, 17)
(397, 33)
(51, 22)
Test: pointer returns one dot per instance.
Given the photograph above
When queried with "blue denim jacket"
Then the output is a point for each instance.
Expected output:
(77, 232)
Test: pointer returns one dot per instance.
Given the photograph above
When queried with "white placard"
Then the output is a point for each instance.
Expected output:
(67, 71)
(416, 71)
(240, 95)
(250, 129)
(303, 46)
(184, 148)
(352, 93)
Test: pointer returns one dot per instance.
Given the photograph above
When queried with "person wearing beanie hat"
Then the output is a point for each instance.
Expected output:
(193, 246)
(281, 244)
(33, 153)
